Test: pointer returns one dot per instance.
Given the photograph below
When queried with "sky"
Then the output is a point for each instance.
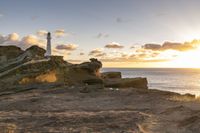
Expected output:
(120, 33)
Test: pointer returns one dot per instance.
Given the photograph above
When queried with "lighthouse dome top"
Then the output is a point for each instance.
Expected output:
(48, 35)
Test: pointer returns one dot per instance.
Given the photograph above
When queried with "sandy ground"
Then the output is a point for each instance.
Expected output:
(66, 110)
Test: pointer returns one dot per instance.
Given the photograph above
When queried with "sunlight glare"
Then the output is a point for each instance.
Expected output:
(189, 59)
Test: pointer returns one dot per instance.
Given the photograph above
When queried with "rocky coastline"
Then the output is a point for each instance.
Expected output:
(41, 94)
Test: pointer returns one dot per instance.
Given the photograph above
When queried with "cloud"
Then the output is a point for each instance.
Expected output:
(186, 46)
(29, 40)
(42, 33)
(114, 45)
(68, 47)
(98, 52)
(63, 53)
(81, 53)
(60, 33)
(132, 47)
(95, 51)
(137, 56)
(100, 55)
(11, 39)
(25, 42)
(152, 46)
(34, 18)
(121, 20)
(132, 60)
(102, 35)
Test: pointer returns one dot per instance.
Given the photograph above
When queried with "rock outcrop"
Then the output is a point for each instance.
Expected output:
(127, 82)
(14, 56)
(115, 80)
(111, 75)
(31, 67)
(35, 52)
(85, 74)
(9, 52)
(53, 70)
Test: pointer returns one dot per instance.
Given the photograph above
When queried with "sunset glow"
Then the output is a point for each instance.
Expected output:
(164, 36)
(190, 59)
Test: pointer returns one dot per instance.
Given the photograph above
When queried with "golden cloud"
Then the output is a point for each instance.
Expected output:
(42, 33)
(81, 53)
(96, 51)
(186, 46)
(60, 33)
(29, 40)
(13, 37)
(25, 42)
(68, 47)
(114, 45)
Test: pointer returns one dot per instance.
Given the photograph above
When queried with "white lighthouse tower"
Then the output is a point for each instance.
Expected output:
(48, 48)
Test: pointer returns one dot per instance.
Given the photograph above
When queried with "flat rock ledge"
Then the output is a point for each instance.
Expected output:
(115, 80)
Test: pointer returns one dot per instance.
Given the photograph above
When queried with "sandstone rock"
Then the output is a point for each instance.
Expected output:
(84, 73)
(53, 70)
(93, 66)
(35, 52)
(10, 51)
(188, 95)
(93, 81)
(127, 82)
(30, 67)
(111, 75)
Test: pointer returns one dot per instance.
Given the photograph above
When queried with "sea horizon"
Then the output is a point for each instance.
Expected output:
(179, 80)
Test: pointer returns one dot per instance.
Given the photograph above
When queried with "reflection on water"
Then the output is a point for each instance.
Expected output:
(179, 80)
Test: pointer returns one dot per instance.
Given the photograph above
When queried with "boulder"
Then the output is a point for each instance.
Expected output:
(127, 82)
(111, 75)
(92, 67)
(87, 72)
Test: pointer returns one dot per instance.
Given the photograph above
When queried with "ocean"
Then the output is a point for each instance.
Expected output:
(180, 80)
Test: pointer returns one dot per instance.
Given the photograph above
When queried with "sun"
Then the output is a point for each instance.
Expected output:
(189, 59)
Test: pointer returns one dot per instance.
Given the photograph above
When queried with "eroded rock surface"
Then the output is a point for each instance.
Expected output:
(58, 109)
(31, 67)
(111, 75)
(127, 82)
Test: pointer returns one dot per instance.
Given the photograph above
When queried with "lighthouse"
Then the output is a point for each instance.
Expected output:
(48, 48)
